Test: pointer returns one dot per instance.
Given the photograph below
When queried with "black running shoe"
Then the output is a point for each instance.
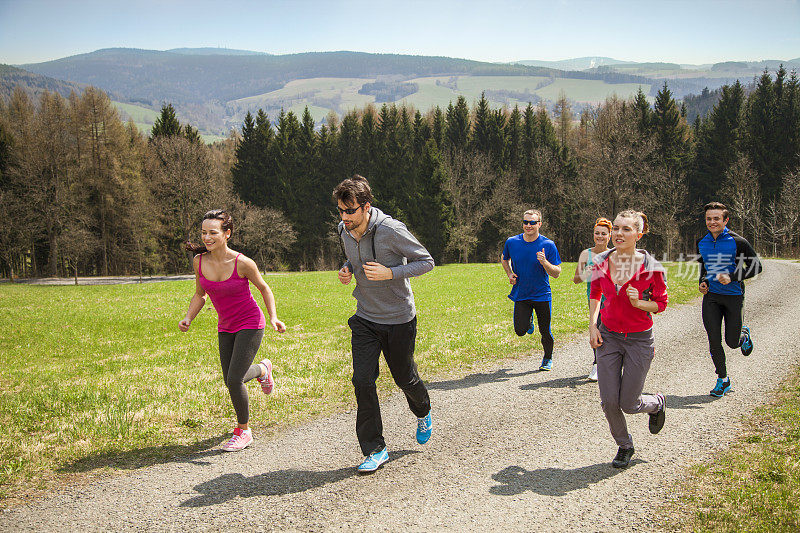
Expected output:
(623, 458)
(657, 418)
(747, 344)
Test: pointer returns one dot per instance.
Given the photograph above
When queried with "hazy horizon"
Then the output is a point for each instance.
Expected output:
(676, 31)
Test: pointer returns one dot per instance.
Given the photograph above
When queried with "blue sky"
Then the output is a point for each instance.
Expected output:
(680, 31)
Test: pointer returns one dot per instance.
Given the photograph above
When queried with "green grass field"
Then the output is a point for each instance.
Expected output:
(471, 87)
(95, 377)
(589, 91)
(755, 485)
(317, 93)
(144, 119)
(139, 114)
(307, 91)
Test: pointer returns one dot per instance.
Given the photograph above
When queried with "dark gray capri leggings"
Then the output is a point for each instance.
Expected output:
(236, 354)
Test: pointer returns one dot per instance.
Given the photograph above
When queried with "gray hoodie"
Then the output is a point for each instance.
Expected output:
(386, 301)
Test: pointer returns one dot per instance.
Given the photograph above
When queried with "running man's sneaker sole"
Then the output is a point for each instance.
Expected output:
(593, 373)
(268, 381)
(657, 419)
(546, 366)
(747, 345)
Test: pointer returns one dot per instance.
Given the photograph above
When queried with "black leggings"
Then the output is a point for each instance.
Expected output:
(523, 311)
(717, 307)
(236, 353)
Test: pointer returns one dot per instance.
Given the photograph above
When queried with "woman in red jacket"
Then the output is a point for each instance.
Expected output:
(634, 286)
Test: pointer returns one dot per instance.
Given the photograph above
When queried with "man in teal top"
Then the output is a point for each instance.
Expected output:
(529, 260)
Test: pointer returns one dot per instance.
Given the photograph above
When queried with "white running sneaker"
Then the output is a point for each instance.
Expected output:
(242, 438)
(593, 373)
(267, 382)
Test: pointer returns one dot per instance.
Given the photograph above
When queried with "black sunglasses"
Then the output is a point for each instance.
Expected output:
(350, 210)
(530, 222)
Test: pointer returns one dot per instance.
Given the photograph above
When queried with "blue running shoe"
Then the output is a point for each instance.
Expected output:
(747, 344)
(373, 461)
(721, 388)
(547, 365)
(531, 329)
(424, 428)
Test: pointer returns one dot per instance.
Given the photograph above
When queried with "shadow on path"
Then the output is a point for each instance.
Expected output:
(281, 482)
(552, 481)
(143, 457)
(571, 382)
(473, 380)
(689, 402)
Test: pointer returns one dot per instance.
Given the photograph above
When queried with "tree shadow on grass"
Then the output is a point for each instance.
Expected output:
(278, 483)
(552, 481)
(473, 380)
(152, 455)
(561, 383)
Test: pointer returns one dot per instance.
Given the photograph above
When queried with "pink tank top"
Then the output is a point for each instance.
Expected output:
(235, 305)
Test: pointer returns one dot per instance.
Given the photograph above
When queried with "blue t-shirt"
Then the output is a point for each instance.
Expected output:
(533, 282)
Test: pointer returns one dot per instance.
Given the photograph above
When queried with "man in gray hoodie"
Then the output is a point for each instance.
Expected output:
(382, 255)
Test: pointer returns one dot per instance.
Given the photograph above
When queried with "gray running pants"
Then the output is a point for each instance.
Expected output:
(621, 392)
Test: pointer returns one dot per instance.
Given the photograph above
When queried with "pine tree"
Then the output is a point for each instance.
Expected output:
(761, 137)
(563, 115)
(788, 124)
(643, 111)
(671, 131)
(349, 145)
(245, 171)
(192, 134)
(481, 127)
(545, 133)
(368, 141)
(529, 135)
(438, 127)
(514, 135)
(718, 140)
(458, 126)
(166, 125)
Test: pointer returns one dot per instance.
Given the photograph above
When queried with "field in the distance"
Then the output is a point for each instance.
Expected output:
(341, 94)
(95, 377)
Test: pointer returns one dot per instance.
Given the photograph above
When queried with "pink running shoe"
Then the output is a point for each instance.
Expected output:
(242, 438)
(267, 382)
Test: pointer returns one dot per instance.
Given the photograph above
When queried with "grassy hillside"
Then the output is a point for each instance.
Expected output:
(341, 95)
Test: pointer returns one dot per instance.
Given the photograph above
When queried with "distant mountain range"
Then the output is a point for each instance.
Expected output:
(212, 88)
(588, 63)
(196, 76)
(578, 63)
(33, 84)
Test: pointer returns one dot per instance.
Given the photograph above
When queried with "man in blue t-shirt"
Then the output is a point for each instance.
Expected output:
(529, 260)
(726, 260)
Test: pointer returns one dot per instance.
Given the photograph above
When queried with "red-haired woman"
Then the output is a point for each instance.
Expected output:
(634, 286)
(583, 270)
(225, 276)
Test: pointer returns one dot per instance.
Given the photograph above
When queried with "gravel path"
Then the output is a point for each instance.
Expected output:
(512, 448)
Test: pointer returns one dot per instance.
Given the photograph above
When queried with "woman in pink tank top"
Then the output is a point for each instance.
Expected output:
(225, 276)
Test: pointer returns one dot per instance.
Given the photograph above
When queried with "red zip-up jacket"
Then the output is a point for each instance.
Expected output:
(618, 314)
